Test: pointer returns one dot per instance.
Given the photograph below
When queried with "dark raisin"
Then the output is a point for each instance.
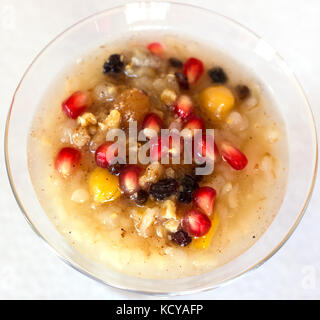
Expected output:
(242, 91)
(176, 63)
(142, 197)
(217, 75)
(115, 168)
(164, 189)
(182, 80)
(185, 197)
(114, 64)
(181, 238)
(189, 185)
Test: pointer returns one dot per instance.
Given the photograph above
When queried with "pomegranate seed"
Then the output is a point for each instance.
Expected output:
(203, 198)
(162, 146)
(205, 148)
(196, 223)
(183, 107)
(76, 104)
(105, 154)
(194, 122)
(129, 179)
(152, 121)
(66, 161)
(156, 48)
(193, 69)
(233, 156)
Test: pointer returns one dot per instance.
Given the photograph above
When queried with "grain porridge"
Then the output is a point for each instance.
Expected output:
(159, 220)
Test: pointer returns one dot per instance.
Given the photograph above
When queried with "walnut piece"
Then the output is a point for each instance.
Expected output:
(112, 121)
(152, 174)
(168, 97)
(80, 137)
(169, 210)
(86, 119)
(172, 225)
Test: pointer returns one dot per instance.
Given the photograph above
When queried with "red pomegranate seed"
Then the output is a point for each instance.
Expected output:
(105, 154)
(196, 223)
(203, 198)
(205, 148)
(194, 122)
(152, 121)
(162, 146)
(233, 156)
(183, 107)
(129, 179)
(156, 48)
(66, 161)
(193, 69)
(76, 104)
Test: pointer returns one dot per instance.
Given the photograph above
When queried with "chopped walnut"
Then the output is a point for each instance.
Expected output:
(147, 220)
(112, 121)
(92, 130)
(152, 174)
(160, 231)
(170, 173)
(80, 137)
(86, 119)
(172, 225)
(168, 97)
(169, 210)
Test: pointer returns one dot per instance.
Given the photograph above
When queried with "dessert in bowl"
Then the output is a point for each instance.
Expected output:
(160, 226)
(156, 218)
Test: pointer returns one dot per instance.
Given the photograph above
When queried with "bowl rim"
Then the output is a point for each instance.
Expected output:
(155, 293)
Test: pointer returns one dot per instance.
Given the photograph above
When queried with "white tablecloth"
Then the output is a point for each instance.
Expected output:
(29, 270)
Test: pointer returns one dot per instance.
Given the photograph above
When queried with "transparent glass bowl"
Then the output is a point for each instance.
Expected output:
(199, 24)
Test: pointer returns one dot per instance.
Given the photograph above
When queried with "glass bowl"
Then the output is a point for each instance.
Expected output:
(202, 25)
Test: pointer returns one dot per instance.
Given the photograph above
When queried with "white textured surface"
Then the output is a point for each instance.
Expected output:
(29, 270)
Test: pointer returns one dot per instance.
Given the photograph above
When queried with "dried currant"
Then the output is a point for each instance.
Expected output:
(182, 80)
(176, 63)
(217, 75)
(141, 197)
(181, 238)
(163, 189)
(114, 64)
(185, 197)
(189, 185)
